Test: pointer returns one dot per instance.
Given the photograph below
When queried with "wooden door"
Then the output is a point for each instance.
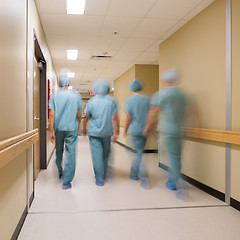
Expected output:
(36, 124)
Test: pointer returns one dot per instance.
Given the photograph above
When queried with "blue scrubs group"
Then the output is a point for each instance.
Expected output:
(100, 109)
(101, 112)
(137, 106)
(172, 102)
(66, 104)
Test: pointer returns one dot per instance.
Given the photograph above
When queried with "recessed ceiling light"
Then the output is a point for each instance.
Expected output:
(71, 74)
(72, 54)
(76, 6)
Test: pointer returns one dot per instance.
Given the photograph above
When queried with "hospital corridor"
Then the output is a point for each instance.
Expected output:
(119, 120)
(121, 209)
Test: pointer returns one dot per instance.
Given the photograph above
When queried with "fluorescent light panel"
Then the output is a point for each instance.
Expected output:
(76, 6)
(72, 54)
(71, 74)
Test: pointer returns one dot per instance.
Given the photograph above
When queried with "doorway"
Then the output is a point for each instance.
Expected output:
(40, 109)
(36, 120)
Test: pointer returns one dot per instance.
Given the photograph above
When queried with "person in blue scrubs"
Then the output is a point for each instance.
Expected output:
(64, 118)
(137, 107)
(102, 114)
(171, 101)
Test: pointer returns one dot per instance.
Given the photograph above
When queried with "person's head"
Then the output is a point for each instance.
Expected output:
(136, 86)
(64, 80)
(101, 87)
(170, 76)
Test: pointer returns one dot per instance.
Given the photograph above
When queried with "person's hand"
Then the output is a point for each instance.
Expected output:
(145, 132)
(52, 138)
(114, 137)
(84, 131)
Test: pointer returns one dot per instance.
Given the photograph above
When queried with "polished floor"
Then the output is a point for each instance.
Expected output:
(121, 209)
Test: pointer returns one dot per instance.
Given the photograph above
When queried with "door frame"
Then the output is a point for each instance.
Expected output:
(43, 103)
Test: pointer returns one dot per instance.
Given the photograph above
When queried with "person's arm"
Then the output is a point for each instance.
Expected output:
(115, 123)
(79, 115)
(152, 116)
(51, 121)
(85, 121)
(127, 123)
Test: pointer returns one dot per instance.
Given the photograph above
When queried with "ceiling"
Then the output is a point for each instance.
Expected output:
(129, 31)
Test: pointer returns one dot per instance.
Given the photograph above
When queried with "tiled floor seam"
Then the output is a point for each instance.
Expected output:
(127, 209)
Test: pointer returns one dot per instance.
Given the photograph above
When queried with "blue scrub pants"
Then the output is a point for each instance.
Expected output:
(174, 148)
(100, 150)
(70, 138)
(137, 168)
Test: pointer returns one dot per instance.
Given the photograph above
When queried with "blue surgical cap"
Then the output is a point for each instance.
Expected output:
(170, 75)
(64, 80)
(101, 86)
(135, 86)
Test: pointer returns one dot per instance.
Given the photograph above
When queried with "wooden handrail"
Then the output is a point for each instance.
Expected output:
(12, 147)
(209, 134)
(213, 135)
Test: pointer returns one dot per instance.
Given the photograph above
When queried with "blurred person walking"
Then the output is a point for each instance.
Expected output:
(171, 101)
(64, 118)
(102, 114)
(137, 107)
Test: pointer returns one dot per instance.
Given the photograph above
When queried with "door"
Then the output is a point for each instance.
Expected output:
(36, 121)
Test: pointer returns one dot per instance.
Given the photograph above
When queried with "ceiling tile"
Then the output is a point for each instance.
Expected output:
(82, 43)
(59, 54)
(126, 8)
(128, 56)
(146, 58)
(123, 26)
(85, 55)
(174, 29)
(97, 7)
(140, 26)
(198, 9)
(109, 44)
(53, 6)
(153, 28)
(84, 25)
(155, 46)
(57, 41)
(54, 24)
(137, 44)
(172, 9)
(81, 64)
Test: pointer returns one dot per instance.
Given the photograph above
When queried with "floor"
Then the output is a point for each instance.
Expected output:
(121, 209)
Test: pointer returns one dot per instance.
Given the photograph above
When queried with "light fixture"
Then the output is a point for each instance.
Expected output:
(76, 6)
(71, 74)
(72, 54)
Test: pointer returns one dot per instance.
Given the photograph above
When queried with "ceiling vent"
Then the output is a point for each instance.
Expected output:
(101, 58)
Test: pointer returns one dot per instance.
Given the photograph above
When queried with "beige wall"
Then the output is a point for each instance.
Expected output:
(35, 26)
(149, 74)
(197, 50)
(13, 110)
(13, 96)
(235, 96)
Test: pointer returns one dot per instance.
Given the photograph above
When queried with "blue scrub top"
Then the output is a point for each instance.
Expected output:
(66, 104)
(172, 102)
(101, 108)
(137, 106)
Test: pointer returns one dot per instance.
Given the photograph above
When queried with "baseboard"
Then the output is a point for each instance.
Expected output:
(51, 156)
(215, 193)
(234, 203)
(31, 199)
(132, 150)
(22, 220)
